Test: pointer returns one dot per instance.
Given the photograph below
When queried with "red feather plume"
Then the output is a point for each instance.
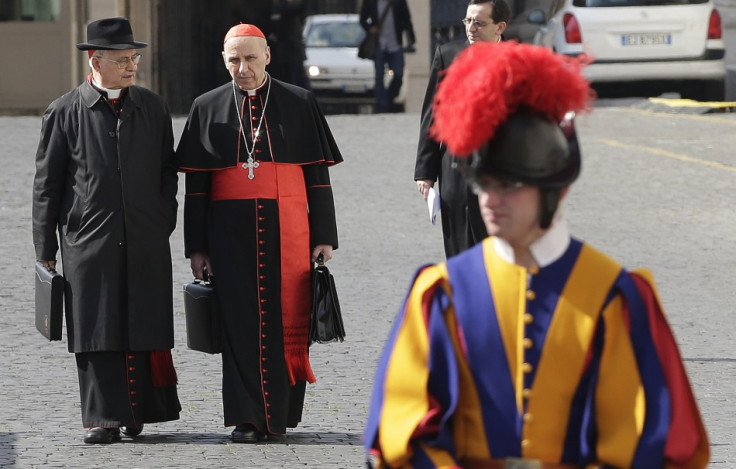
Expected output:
(489, 81)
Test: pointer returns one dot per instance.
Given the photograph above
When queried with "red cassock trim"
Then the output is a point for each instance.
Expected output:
(285, 184)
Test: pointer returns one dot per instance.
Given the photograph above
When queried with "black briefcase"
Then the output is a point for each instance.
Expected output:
(49, 302)
(204, 328)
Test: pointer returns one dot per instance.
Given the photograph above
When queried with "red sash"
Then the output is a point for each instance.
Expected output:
(285, 184)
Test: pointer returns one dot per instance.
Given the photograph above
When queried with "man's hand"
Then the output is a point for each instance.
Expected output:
(424, 185)
(326, 251)
(49, 265)
(201, 267)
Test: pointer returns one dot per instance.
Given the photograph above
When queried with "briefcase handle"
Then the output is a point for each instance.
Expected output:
(209, 281)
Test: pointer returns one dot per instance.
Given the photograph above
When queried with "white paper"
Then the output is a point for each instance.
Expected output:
(433, 204)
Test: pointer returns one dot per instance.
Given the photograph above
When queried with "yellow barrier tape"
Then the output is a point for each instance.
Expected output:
(670, 102)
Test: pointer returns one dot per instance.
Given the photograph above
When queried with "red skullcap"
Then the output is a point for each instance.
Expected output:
(243, 30)
(488, 82)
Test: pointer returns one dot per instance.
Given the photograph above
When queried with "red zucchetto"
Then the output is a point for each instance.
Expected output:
(242, 30)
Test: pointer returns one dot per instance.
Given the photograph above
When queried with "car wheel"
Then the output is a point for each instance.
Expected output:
(705, 90)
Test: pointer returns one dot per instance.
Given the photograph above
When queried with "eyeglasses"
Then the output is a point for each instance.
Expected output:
(476, 23)
(502, 187)
(124, 62)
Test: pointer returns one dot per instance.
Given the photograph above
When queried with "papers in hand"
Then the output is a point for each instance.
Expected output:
(433, 204)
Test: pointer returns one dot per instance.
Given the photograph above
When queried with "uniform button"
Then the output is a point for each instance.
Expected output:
(528, 418)
(261, 277)
(261, 288)
(528, 343)
(527, 367)
(526, 443)
(112, 133)
(534, 270)
(530, 295)
(526, 393)
(528, 318)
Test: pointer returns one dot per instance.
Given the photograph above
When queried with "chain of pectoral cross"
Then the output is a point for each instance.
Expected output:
(250, 164)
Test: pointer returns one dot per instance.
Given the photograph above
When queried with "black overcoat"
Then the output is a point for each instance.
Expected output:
(108, 187)
(462, 225)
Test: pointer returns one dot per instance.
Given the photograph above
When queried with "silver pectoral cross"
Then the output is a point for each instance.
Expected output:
(250, 165)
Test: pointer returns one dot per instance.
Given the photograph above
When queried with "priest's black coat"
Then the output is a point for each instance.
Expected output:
(462, 225)
(109, 188)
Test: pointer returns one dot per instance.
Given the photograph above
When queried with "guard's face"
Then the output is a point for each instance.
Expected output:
(479, 25)
(115, 69)
(246, 59)
(510, 210)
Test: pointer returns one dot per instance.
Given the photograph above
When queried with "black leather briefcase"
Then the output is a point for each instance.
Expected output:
(204, 329)
(49, 302)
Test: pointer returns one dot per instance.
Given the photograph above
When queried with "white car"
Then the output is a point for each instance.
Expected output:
(336, 73)
(671, 45)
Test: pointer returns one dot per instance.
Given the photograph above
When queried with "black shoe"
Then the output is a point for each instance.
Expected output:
(131, 431)
(99, 435)
(247, 434)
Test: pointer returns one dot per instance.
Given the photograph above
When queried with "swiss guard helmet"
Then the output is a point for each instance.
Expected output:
(508, 109)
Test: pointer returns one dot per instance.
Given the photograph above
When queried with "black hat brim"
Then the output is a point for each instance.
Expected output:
(122, 46)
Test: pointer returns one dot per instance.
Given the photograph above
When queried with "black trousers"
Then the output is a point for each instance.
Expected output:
(116, 389)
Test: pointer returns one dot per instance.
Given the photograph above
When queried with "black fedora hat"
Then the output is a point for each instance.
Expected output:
(110, 34)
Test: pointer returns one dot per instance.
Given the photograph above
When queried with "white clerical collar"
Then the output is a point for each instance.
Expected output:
(545, 250)
(111, 94)
(255, 90)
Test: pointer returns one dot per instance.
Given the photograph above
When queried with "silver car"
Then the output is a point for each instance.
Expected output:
(336, 73)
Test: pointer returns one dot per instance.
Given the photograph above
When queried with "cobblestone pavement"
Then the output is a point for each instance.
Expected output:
(656, 191)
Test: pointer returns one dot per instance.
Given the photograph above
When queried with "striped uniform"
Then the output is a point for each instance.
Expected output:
(572, 363)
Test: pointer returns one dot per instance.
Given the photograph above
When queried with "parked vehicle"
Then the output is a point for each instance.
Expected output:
(337, 75)
(668, 45)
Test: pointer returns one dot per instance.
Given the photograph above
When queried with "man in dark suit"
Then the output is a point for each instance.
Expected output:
(389, 19)
(462, 226)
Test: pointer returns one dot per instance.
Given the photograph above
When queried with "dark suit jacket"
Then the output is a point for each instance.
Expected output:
(369, 16)
(462, 225)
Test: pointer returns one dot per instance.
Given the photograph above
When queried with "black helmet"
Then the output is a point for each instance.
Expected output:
(531, 148)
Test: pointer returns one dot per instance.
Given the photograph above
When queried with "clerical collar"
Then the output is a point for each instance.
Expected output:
(256, 91)
(547, 249)
(111, 94)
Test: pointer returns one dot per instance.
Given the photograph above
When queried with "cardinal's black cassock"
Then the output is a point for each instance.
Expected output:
(257, 209)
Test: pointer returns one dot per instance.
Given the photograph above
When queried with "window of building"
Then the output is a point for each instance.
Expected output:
(30, 10)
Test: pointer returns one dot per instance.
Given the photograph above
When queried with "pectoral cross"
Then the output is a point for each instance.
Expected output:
(250, 165)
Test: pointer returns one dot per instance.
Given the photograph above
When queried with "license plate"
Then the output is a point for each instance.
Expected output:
(646, 39)
(353, 88)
